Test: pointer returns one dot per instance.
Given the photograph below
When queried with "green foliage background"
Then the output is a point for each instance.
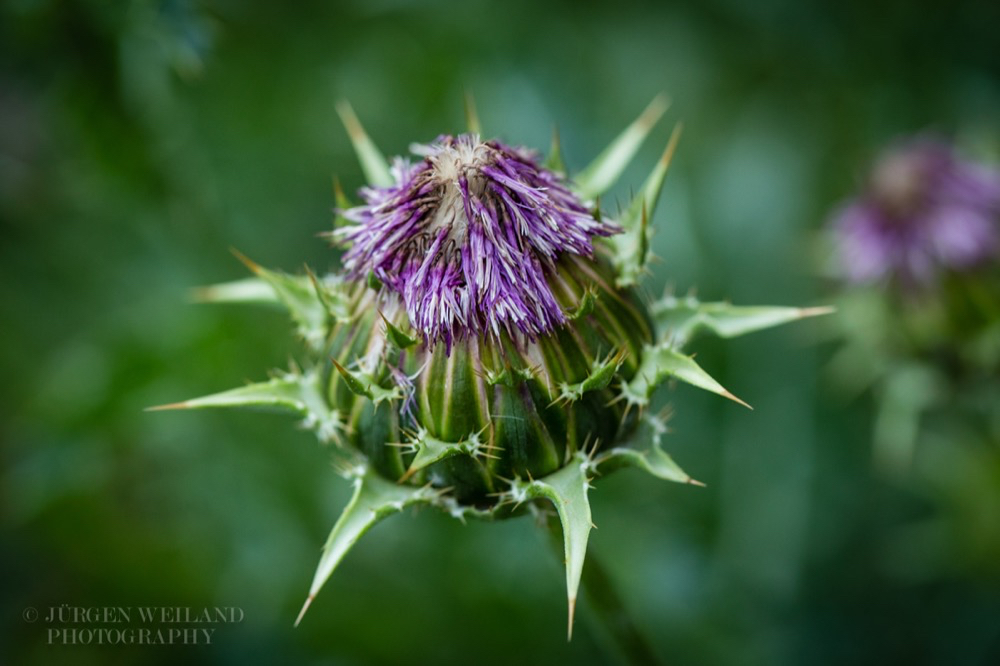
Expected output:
(140, 141)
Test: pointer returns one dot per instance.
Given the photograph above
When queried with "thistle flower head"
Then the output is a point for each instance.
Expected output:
(549, 354)
(924, 211)
(467, 236)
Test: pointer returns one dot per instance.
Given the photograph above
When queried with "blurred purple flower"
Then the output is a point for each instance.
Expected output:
(924, 210)
(467, 238)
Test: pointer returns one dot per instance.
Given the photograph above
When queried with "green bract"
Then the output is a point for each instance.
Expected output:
(492, 425)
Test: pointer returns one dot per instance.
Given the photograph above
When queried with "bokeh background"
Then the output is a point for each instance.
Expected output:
(141, 141)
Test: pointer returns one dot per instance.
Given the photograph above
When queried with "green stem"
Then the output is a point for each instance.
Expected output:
(607, 608)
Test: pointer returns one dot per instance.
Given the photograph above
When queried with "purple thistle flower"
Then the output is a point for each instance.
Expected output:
(924, 211)
(467, 236)
(537, 389)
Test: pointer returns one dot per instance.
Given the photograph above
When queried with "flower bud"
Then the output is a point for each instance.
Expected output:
(484, 348)
(487, 262)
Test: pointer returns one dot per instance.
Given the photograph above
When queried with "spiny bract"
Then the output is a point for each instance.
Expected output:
(485, 348)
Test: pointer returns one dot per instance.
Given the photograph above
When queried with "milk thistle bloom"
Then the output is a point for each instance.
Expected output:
(919, 251)
(485, 349)
(924, 211)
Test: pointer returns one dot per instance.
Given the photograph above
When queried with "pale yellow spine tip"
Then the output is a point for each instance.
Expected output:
(305, 607)
(163, 408)
(572, 615)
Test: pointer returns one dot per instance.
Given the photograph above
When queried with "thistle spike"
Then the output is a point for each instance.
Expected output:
(554, 161)
(471, 116)
(430, 450)
(363, 384)
(339, 197)
(601, 374)
(654, 460)
(310, 310)
(662, 362)
(632, 246)
(354, 381)
(681, 319)
(567, 490)
(247, 290)
(606, 168)
(509, 376)
(586, 304)
(295, 393)
(654, 182)
(341, 203)
(396, 335)
(289, 392)
(373, 163)
(329, 294)
(374, 499)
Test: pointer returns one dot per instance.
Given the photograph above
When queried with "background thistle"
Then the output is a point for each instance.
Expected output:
(925, 212)
(489, 350)
(919, 257)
